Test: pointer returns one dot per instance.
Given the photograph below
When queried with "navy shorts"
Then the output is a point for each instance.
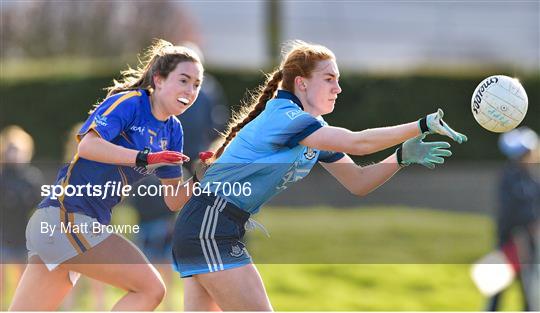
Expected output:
(207, 236)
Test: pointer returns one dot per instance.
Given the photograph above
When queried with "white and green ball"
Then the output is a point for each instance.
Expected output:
(499, 103)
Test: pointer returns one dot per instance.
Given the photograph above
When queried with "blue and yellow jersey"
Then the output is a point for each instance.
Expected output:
(266, 154)
(124, 119)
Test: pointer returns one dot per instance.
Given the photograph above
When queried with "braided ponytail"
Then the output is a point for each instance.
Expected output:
(246, 114)
(300, 60)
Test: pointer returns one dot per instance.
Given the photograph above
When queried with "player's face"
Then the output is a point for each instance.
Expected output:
(322, 88)
(180, 89)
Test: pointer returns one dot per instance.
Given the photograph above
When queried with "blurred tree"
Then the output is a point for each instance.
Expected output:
(90, 29)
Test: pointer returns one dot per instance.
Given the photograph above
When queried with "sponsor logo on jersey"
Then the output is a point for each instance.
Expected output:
(292, 114)
(100, 120)
(139, 129)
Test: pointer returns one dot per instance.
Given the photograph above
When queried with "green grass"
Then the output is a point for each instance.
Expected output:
(384, 287)
(372, 235)
(399, 259)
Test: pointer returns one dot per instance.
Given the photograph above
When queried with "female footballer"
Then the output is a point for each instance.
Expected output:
(269, 145)
(132, 133)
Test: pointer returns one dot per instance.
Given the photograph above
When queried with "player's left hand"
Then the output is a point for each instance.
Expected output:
(434, 124)
(428, 154)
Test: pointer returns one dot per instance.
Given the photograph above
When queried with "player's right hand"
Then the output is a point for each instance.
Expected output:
(434, 124)
(424, 153)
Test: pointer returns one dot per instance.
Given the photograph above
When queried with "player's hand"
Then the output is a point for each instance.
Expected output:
(205, 156)
(162, 158)
(202, 166)
(167, 157)
(424, 153)
(434, 124)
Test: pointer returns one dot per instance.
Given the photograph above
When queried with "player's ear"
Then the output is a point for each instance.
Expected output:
(157, 80)
(300, 83)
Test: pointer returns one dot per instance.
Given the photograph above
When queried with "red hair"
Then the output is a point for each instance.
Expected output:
(300, 60)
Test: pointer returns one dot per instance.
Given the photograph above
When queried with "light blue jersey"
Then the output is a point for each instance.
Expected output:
(265, 157)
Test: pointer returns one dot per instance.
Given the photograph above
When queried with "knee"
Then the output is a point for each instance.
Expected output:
(155, 291)
(151, 290)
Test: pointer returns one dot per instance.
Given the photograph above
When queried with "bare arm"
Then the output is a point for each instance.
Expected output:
(176, 196)
(361, 180)
(363, 142)
(95, 148)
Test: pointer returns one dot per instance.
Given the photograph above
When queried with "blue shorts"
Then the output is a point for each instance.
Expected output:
(207, 236)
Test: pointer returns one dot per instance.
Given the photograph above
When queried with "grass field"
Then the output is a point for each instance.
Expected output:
(396, 259)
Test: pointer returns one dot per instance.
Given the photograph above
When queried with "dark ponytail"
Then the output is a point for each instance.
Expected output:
(160, 58)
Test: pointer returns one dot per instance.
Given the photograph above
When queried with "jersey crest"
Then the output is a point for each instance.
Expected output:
(310, 153)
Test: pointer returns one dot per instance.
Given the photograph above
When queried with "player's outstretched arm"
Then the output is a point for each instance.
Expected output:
(377, 139)
(363, 180)
(95, 148)
(364, 142)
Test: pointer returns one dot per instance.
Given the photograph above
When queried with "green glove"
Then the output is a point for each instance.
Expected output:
(425, 153)
(434, 124)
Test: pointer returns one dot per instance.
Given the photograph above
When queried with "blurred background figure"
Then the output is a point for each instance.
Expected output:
(71, 145)
(517, 215)
(20, 184)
